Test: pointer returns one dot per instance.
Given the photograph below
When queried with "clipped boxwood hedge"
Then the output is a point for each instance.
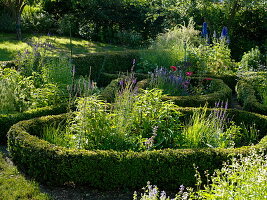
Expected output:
(7, 120)
(228, 79)
(223, 93)
(246, 95)
(95, 64)
(108, 169)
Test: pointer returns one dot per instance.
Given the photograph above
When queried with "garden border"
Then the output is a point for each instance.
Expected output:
(108, 169)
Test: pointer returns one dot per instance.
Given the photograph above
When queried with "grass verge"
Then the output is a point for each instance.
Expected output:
(14, 186)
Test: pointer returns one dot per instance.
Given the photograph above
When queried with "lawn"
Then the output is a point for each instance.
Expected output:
(14, 186)
(9, 46)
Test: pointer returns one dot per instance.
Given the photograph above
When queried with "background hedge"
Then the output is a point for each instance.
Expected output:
(110, 170)
(7, 120)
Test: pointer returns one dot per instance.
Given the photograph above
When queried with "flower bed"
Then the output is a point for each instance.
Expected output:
(221, 93)
(109, 169)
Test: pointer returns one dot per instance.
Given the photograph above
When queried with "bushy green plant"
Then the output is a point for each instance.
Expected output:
(215, 130)
(251, 60)
(215, 58)
(135, 121)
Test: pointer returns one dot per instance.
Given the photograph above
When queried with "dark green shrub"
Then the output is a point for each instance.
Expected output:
(111, 169)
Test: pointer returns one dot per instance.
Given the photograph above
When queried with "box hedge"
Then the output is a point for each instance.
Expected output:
(246, 95)
(108, 169)
(222, 93)
(7, 120)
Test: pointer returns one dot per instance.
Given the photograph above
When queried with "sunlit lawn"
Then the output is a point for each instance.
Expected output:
(9, 46)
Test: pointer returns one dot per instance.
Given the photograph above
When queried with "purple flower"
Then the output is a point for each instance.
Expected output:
(204, 32)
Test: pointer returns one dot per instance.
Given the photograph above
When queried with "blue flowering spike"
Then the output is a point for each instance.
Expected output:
(224, 34)
(204, 32)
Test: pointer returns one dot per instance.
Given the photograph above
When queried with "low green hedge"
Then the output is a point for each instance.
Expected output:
(223, 93)
(109, 170)
(95, 64)
(228, 79)
(246, 95)
(7, 120)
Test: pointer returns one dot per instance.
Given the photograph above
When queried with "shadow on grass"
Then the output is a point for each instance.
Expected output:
(6, 55)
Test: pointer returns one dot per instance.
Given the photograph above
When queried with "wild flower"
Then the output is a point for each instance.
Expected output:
(189, 73)
(173, 68)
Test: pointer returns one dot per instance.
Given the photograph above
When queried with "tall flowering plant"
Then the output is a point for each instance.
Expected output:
(173, 82)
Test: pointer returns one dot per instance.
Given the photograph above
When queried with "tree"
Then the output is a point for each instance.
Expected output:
(17, 7)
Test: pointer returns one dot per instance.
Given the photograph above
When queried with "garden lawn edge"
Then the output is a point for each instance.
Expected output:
(109, 169)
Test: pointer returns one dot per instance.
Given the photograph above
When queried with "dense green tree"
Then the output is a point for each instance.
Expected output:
(17, 7)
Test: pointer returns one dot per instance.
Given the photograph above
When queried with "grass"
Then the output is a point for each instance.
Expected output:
(9, 46)
(14, 186)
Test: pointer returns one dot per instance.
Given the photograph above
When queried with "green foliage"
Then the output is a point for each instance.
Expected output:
(251, 92)
(251, 60)
(239, 178)
(128, 124)
(7, 120)
(14, 186)
(57, 165)
(242, 178)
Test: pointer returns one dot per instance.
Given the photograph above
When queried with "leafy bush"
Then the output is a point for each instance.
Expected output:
(129, 123)
(251, 60)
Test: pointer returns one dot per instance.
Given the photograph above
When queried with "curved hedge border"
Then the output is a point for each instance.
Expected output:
(246, 95)
(7, 120)
(223, 93)
(109, 169)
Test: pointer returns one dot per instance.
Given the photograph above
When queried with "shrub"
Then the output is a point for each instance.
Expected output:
(251, 60)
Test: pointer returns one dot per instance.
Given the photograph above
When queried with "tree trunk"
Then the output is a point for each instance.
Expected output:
(18, 26)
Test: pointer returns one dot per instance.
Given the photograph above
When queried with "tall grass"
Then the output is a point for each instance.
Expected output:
(216, 130)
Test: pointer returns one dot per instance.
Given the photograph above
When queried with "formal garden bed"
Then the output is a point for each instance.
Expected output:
(110, 169)
(191, 92)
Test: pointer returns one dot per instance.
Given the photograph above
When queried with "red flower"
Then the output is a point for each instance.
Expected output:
(173, 68)
(188, 73)
(207, 79)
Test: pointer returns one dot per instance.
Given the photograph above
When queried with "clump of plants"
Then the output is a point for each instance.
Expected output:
(140, 120)
(241, 178)
(176, 82)
(216, 130)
